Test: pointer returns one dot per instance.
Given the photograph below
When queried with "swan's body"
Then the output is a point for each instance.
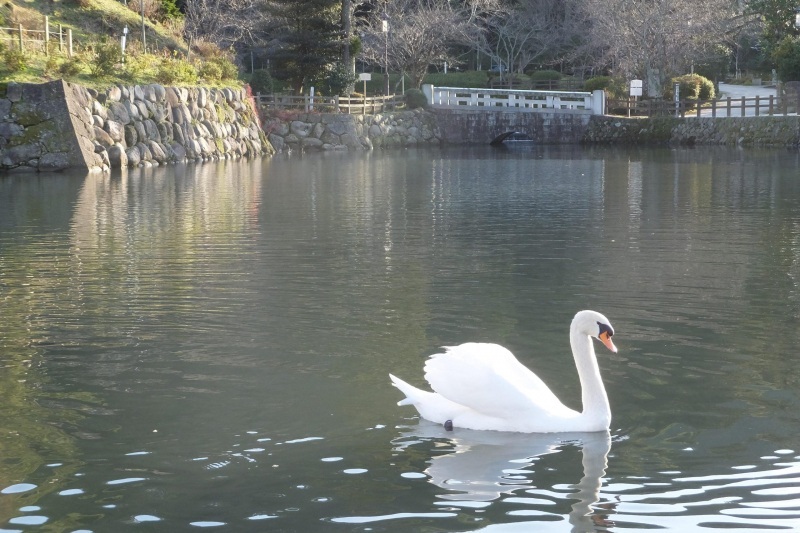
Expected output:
(483, 386)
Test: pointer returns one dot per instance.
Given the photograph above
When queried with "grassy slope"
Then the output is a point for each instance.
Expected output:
(89, 21)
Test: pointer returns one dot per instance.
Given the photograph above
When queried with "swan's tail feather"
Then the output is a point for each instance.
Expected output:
(412, 393)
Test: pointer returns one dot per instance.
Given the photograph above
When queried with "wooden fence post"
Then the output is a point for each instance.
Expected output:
(46, 35)
(69, 42)
(61, 38)
(20, 38)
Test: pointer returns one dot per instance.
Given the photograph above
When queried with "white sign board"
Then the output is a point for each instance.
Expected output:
(365, 76)
(636, 87)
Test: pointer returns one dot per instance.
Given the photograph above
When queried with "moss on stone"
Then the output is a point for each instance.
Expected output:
(26, 114)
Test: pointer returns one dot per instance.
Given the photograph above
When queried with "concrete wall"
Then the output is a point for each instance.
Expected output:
(481, 127)
(57, 125)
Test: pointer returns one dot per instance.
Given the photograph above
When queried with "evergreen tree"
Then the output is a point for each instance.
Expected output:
(306, 39)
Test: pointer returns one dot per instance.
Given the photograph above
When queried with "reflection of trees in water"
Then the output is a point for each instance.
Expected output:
(39, 420)
(487, 466)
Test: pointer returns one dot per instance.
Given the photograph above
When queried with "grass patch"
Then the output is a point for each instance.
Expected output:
(97, 61)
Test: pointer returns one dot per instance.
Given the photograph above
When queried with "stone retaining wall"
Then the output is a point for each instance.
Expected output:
(755, 131)
(328, 131)
(59, 125)
(478, 126)
(45, 127)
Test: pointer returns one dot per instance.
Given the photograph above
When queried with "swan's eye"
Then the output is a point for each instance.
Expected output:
(605, 328)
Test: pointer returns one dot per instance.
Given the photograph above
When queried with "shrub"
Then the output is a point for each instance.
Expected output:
(107, 53)
(71, 66)
(169, 9)
(205, 49)
(137, 66)
(616, 89)
(692, 87)
(210, 71)
(51, 66)
(16, 60)
(787, 59)
(262, 82)
(415, 98)
(336, 80)
(229, 69)
(545, 75)
(545, 79)
(172, 71)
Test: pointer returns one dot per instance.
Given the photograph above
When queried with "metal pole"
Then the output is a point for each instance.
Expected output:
(677, 97)
(385, 26)
(144, 35)
(124, 42)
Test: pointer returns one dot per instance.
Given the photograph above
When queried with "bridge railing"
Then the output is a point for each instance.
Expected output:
(493, 99)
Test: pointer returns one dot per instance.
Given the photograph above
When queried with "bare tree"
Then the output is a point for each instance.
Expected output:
(657, 39)
(420, 34)
(516, 34)
(224, 22)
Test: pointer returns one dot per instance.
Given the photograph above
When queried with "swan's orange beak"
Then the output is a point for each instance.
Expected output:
(605, 338)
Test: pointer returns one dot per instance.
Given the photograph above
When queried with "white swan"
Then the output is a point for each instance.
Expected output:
(483, 386)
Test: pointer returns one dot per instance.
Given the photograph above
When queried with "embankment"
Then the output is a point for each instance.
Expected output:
(330, 131)
(59, 125)
(734, 131)
(439, 127)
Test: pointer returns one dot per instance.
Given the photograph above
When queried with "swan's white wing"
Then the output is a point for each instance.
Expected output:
(488, 378)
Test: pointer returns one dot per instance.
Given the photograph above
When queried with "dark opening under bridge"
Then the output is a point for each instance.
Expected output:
(482, 115)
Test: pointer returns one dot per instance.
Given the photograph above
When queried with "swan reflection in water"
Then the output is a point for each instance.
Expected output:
(483, 466)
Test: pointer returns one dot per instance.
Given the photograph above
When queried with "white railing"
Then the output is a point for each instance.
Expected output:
(496, 99)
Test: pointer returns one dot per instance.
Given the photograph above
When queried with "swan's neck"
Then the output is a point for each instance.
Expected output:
(596, 410)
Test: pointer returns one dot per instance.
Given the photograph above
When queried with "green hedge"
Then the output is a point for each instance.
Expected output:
(692, 87)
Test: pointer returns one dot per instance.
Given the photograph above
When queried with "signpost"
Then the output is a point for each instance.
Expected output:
(636, 90)
(365, 77)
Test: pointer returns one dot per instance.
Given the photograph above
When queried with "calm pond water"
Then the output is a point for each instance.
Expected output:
(209, 346)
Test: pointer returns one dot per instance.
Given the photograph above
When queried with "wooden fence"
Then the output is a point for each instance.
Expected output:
(331, 104)
(727, 107)
(44, 41)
